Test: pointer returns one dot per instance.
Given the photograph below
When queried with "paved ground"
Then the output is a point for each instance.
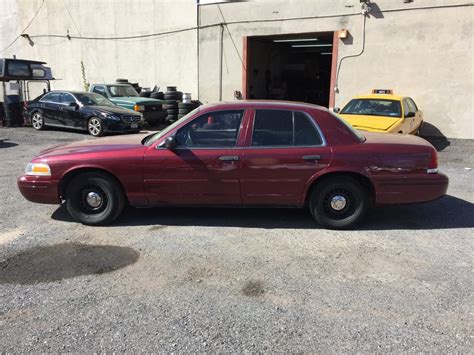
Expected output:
(203, 280)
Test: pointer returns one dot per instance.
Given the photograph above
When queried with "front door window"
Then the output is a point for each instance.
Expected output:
(212, 130)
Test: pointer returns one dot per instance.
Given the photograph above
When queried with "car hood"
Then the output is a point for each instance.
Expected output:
(378, 123)
(135, 100)
(111, 109)
(99, 145)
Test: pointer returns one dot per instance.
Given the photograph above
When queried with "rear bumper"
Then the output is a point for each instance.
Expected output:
(410, 188)
(39, 190)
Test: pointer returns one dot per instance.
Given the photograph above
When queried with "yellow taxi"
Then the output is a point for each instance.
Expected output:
(382, 111)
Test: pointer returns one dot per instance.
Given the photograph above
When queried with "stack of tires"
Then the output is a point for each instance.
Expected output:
(172, 97)
(186, 107)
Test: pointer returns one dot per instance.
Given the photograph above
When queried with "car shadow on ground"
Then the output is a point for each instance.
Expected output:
(445, 213)
(5, 144)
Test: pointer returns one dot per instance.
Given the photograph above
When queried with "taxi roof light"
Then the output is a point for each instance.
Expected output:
(382, 91)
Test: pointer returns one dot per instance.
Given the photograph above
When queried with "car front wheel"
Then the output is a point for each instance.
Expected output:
(339, 203)
(94, 198)
(95, 127)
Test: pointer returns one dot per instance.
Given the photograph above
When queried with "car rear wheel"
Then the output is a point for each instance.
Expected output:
(339, 203)
(37, 121)
(95, 127)
(94, 199)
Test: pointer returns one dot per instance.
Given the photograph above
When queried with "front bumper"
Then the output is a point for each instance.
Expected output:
(155, 117)
(410, 188)
(39, 189)
(121, 126)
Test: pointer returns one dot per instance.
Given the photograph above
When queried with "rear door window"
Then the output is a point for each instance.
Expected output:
(282, 128)
(305, 132)
(273, 128)
(66, 99)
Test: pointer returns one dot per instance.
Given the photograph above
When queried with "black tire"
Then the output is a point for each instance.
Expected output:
(180, 116)
(102, 190)
(172, 112)
(352, 197)
(170, 88)
(186, 105)
(170, 118)
(173, 105)
(95, 127)
(183, 111)
(157, 95)
(122, 81)
(37, 120)
(145, 94)
(176, 95)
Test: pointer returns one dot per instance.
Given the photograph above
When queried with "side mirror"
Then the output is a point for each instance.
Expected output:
(336, 109)
(74, 105)
(170, 142)
(410, 114)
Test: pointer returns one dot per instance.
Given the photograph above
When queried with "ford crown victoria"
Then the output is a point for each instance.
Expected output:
(244, 153)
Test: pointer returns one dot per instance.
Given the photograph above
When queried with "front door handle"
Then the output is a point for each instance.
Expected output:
(312, 157)
(229, 158)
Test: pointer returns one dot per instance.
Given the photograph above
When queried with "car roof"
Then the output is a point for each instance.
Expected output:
(70, 92)
(270, 104)
(380, 96)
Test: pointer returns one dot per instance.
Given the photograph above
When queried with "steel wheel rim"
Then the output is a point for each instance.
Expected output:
(94, 126)
(100, 197)
(37, 121)
(342, 211)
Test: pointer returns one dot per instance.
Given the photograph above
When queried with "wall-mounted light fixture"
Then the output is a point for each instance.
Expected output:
(342, 33)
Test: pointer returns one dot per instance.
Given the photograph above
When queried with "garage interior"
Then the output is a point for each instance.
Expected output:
(290, 67)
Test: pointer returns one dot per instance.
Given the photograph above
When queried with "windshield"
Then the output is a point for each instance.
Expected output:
(92, 99)
(357, 133)
(373, 107)
(122, 90)
(152, 138)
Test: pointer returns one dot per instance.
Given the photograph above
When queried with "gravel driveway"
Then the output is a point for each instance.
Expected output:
(230, 280)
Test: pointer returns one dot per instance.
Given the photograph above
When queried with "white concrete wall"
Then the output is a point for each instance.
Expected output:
(427, 54)
(162, 60)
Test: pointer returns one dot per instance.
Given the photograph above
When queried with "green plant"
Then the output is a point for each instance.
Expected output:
(84, 78)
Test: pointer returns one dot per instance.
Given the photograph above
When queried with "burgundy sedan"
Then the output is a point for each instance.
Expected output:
(243, 153)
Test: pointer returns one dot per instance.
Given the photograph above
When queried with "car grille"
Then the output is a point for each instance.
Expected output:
(131, 118)
(151, 108)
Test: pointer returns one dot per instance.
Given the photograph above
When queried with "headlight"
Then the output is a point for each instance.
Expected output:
(139, 107)
(111, 116)
(38, 169)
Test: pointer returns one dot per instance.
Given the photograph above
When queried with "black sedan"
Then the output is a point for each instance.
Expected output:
(81, 110)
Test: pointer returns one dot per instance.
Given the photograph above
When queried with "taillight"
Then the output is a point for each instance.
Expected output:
(433, 164)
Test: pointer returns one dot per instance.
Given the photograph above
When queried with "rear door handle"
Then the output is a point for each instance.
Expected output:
(229, 158)
(312, 157)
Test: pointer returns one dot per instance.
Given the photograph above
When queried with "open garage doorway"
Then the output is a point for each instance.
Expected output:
(297, 67)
